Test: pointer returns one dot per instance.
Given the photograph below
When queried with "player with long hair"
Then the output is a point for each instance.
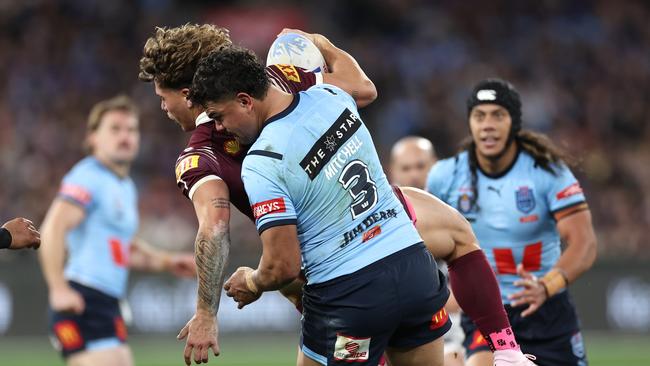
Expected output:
(517, 190)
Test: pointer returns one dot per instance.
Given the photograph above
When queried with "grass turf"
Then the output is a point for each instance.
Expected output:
(280, 349)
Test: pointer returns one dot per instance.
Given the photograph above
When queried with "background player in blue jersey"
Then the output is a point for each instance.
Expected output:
(19, 233)
(94, 220)
(318, 192)
(516, 189)
(411, 159)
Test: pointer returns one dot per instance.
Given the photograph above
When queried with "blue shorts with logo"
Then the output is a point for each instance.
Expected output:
(100, 326)
(397, 302)
(552, 333)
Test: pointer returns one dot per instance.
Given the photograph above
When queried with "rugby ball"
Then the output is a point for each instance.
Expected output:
(297, 50)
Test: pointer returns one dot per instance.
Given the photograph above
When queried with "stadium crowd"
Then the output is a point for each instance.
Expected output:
(582, 67)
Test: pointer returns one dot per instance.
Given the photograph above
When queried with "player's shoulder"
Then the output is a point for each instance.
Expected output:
(446, 167)
(530, 167)
(271, 146)
(88, 169)
(324, 90)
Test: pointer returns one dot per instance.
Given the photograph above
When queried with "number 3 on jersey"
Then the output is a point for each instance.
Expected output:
(355, 179)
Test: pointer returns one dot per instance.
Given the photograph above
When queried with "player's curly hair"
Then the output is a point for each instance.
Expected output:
(171, 56)
(225, 73)
(545, 153)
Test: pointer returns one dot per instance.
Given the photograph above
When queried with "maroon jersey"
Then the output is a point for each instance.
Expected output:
(211, 154)
(291, 79)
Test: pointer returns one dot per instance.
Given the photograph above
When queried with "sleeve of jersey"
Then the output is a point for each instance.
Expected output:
(269, 198)
(193, 170)
(564, 190)
(79, 187)
(293, 79)
(437, 179)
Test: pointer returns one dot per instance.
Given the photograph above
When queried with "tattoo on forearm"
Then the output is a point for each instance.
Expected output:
(220, 203)
(211, 252)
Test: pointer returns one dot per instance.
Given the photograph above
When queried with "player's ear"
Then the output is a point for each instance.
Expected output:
(244, 100)
(185, 92)
(89, 142)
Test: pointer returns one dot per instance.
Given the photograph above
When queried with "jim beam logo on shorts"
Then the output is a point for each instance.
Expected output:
(366, 224)
(351, 349)
(330, 142)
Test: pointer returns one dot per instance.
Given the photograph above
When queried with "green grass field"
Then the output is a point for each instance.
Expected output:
(275, 350)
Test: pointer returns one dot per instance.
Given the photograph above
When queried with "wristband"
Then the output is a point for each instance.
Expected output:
(250, 283)
(554, 281)
(5, 238)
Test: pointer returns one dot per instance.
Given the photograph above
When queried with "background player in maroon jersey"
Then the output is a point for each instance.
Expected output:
(208, 171)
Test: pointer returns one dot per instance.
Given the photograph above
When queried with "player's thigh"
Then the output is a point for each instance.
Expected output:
(115, 356)
(482, 358)
(306, 361)
(429, 354)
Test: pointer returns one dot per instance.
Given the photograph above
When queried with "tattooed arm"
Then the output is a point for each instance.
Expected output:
(212, 245)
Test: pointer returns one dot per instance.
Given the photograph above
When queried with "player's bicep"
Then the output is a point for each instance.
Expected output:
(211, 201)
(575, 224)
(281, 243)
(64, 214)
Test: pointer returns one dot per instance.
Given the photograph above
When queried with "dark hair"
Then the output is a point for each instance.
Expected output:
(223, 74)
(545, 153)
(170, 56)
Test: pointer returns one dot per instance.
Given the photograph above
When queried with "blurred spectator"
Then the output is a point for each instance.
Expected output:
(583, 67)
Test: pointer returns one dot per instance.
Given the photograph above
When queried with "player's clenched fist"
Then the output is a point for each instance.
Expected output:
(241, 287)
(23, 234)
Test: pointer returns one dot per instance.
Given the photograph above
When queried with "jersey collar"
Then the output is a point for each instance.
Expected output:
(505, 171)
(285, 112)
(202, 118)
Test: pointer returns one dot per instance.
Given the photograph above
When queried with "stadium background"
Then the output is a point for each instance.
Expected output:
(582, 67)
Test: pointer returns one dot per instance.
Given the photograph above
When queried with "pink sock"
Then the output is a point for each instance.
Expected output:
(502, 340)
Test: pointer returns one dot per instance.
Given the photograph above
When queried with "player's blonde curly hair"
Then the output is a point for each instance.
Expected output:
(171, 56)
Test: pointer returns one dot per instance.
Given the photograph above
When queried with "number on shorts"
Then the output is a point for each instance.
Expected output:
(355, 178)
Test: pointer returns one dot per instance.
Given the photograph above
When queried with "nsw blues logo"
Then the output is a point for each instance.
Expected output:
(464, 203)
(525, 199)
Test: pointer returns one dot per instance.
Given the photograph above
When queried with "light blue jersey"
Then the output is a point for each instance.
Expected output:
(514, 222)
(314, 165)
(98, 248)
